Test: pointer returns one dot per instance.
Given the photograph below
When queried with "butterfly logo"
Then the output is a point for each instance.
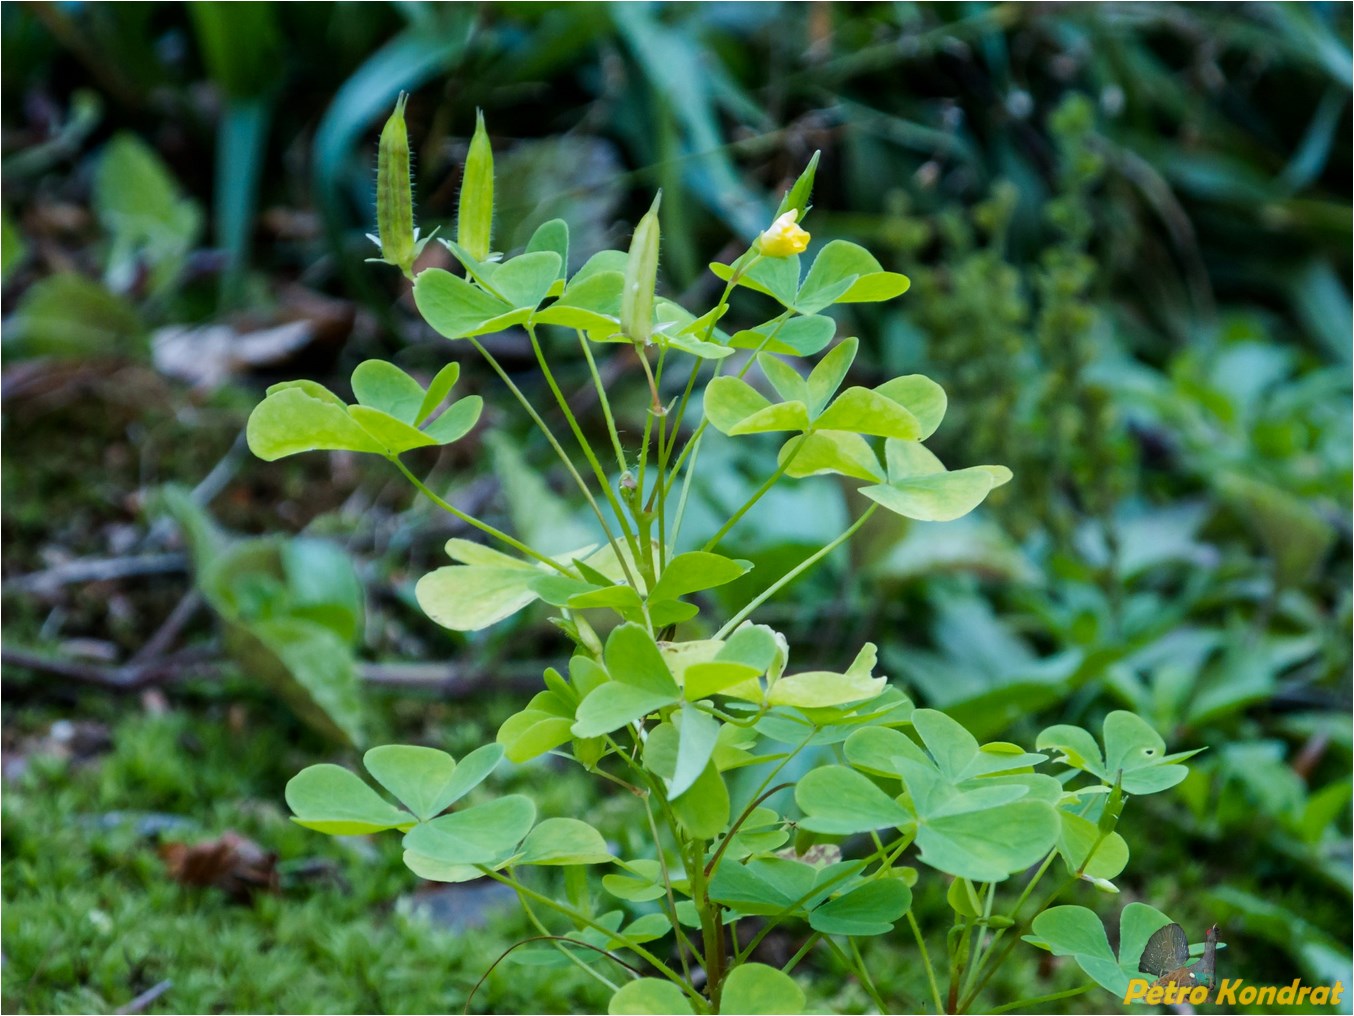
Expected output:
(1166, 958)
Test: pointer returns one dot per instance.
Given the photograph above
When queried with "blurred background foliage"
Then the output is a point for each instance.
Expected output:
(1129, 232)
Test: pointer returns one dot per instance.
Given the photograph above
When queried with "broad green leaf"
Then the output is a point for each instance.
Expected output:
(876, 749)
(756, 989)
(836, 269)
(381, 385)
(559, 841)
(394, 436)
(69, 315)
(1133, 746)
(440, 387)
(756, 646)
(694, 571)
(781, 416)
(292, 421)
(1078, 747)
(1296, 534)
(820, 688)
(471, 597)
(840, 801)
(473, 770)
(333, 800)
(784, 378)
(456, 422)
(533, 732)
(907, 459)
(1077, 932)
(435, 870)
(642, 884)
(308, 665)
(830, 451)
(552, 236)
(987, 844)
(938, 497)
(417, 776)
(592, 303)
(798, 336)
(952, 747)
(1079, 836)
(696, 738)
(764, 886)
(701, 680)
(703, 811)
(620, 597)
(876, 287)
(455, 308)
(614, 704)
(470, 552)
(323, 586)
(312, 388)
(693, 345)
(868, 909)
(778, 278)
(830, 372)
(863, 411)
(924, 398)
(526, 279)
(632, 657)
(729, 400)
(482, 834)
(649, 996)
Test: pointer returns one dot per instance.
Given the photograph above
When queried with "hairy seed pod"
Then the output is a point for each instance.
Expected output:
(475, 211)
(641, 277)
(394, 194)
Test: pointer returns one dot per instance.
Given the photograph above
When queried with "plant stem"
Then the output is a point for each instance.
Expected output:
(793, 574)
(864, 974)
(759, 493)
(605, 402)
(583, 443)
(1026, 1004)
(926, 962)
(563, 456)
(470, 520)
(579, 916)
(809, 943)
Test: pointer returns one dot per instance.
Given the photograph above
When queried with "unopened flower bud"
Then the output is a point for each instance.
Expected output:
(784, 237)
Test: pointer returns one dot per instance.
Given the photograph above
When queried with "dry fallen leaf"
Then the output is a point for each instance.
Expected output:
(232, 863)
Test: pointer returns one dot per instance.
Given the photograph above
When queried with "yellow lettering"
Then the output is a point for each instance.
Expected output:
(1247, 995)
(1336, 992)
(1321, 995)
(1136, 989)
(1154, 995)
(1198, 995)
(1268, 994)
(1288, 992)
(1227, 991)
(1303, 992)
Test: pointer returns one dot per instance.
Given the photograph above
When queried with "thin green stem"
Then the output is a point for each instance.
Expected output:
(559, 941)
(1026, 1004)
(794, 573)
(579, 916)
(559, 451)
(470, 520)
(605, 402)
(926, 962)
(583, 443)
(863, 973)
(759, 493)
(794, 960)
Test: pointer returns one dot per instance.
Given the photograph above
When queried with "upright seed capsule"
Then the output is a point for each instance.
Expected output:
(394, 195)
(475, 211)
(641, 277)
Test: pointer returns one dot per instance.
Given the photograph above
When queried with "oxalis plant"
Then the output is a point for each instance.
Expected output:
(698, 718)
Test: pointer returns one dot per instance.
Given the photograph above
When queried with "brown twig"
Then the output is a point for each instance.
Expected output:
(95, 569)
(123, 678)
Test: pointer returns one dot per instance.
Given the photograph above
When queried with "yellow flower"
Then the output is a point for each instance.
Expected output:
(784, 237)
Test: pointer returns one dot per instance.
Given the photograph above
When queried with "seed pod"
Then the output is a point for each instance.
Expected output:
(641, 277)
(394, 195)
(475, 211)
